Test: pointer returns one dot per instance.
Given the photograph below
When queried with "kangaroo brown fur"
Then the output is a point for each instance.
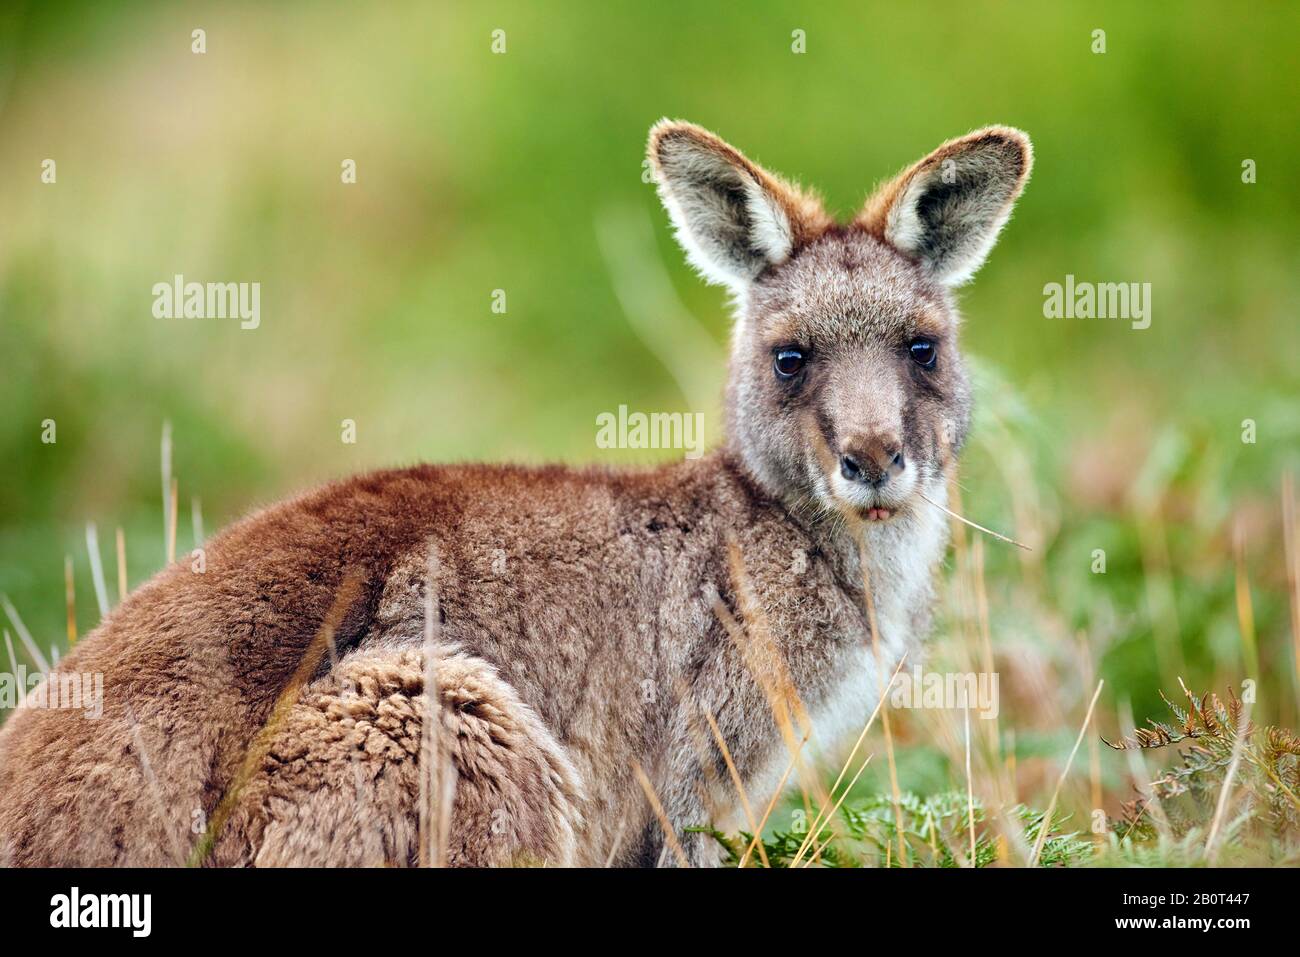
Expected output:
(580, 617)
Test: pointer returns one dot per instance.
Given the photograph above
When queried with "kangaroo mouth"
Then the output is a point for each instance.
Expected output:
(876, 513)
(870, 507)
(875, 509)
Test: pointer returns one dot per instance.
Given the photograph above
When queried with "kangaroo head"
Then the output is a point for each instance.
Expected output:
(846, 389)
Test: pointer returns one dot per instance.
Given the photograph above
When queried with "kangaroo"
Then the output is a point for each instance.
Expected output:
(497, 665)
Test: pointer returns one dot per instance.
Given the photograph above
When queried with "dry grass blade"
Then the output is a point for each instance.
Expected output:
(618, 842)
(766, 662)
(9, 647)
(1136, 818)
(1094, 743)
(711, 787)
(24, 635)
(881, 687)
(818, 851)
(171, 525)
(669, 835)
(70, 599)
(97, 569)
(1245, 607)
(776, 796)
(761, 652)
(975, 525)
(165, 454)
(1290, 534)
(196, 521)
(833, 811)
(121, 564)
(817, 822)
(735, 778)
(778, 702)
(1238, 746)
(1051, 805)
(970, 788)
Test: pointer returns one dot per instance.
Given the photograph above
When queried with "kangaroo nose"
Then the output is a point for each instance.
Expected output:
(873, 462)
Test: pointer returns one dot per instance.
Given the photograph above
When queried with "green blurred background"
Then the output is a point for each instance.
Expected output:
(522, 172)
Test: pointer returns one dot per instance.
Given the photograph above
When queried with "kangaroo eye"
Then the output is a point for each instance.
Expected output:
(788, 363)
(924, 353)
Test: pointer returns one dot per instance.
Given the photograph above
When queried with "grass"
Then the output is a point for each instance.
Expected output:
(932, 828)
(1231, 801)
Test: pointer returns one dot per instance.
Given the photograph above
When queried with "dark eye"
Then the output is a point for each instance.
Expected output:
(788, 363)
(924, 353)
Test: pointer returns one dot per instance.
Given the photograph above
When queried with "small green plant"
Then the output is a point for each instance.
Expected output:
(1237, 783)
(1233, 799)
(935, 833)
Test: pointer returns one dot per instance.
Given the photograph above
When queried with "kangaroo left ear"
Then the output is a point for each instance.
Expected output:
(733, 218)
(947, 210)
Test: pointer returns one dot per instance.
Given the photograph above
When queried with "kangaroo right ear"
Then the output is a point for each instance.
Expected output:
(733, 218)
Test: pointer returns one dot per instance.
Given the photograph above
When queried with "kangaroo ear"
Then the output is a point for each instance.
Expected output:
(947, 210)
(733, 218)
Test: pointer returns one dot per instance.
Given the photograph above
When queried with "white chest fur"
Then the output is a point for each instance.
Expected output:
(902, 557)
(901, 560)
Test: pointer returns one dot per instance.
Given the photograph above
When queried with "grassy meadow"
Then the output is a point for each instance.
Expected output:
(1151, 471)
